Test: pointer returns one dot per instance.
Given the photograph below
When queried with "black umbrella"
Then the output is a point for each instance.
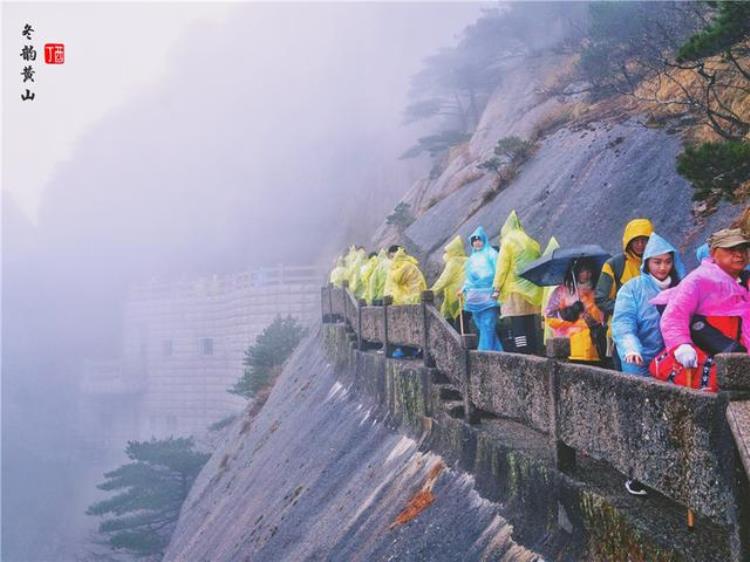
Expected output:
(551, 269)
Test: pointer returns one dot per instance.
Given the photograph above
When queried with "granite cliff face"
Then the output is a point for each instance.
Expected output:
(321, 473)
(317, 475)
(594, 167)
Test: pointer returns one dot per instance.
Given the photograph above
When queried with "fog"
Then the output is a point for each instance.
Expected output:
(271, 137)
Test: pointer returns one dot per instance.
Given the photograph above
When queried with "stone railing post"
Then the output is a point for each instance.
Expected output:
(428, 298)
(360, 304)
(324, 317)
(330, 301)
(733, 378)
(558, 349)
(468, 342)
(345, 290)
(733, 375)
(387, 302)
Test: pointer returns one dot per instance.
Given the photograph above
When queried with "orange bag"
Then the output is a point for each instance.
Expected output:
(666, 368)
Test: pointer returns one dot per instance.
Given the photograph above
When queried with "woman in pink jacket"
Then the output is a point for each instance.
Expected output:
(716, 289)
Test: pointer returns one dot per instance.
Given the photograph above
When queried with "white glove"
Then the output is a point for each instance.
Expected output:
(686, 355)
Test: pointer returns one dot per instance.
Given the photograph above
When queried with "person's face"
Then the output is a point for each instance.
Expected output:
(477, 244)
(660, 266)
(638, 245)
(732, 260)
(584, 276)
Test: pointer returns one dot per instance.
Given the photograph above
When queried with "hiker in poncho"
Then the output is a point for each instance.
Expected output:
(478, 291)
(521, 299)
(452, 279)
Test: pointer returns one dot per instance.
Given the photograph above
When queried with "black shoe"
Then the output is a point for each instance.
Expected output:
(635, 488)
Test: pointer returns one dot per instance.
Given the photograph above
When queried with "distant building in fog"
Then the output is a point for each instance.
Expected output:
(183, 346)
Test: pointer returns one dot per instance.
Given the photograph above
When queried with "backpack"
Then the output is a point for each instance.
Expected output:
(666, 368)
(710, 334)
(618, 268)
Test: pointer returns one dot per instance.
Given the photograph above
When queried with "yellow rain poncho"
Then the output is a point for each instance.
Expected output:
(363, 282)
(405, 282)
(517, 250)
(452, 278)
(338, 273)
(376, 283)
(552, 245)
(356, 261)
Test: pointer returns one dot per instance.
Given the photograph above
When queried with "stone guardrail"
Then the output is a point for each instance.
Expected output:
(675, 440)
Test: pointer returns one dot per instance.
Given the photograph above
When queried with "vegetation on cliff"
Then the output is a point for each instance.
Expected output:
(682, 63)
(265, 359)
(688, 60)
(150, 492)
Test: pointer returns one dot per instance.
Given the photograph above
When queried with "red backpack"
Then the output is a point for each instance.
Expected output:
(666, 368)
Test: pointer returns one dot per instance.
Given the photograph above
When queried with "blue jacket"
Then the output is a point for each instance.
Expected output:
(480, 273)
(635, 324)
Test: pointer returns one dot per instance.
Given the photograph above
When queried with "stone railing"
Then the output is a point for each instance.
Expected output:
(675, 440)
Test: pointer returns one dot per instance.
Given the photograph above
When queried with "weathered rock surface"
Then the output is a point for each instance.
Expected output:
(582, 184)
(315, 476)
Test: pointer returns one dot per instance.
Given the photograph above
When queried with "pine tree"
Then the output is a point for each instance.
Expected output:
(150, 492)
(265, 359)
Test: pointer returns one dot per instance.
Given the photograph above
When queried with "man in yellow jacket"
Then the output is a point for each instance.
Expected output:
(621, 268)
(452, 279)
(520, 299)
(405, 281)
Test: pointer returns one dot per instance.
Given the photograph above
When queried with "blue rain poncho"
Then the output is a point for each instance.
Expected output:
(701, 253)
(477, 290)
(635, 324)
(480, 271)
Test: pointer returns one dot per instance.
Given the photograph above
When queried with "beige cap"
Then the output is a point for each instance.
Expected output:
(728, 238)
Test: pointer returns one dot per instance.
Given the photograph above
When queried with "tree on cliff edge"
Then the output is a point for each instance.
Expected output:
(150, 492)
(265, 359)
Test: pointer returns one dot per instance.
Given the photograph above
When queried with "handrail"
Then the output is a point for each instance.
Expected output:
(678, 440)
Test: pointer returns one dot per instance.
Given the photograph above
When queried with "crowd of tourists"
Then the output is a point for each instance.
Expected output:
(638, 311)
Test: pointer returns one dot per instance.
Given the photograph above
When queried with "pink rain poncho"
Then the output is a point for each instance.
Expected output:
(708, 291)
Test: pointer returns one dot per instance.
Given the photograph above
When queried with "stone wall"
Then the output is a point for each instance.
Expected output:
(183, 346)
(675, 440)
(189, 339)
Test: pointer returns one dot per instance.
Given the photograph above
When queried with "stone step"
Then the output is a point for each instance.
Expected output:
(449, 393)
(438, 377)
(454, 408)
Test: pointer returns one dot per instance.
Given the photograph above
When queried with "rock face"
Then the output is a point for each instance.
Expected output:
(321, 473)
(317, 476)
(582, 184)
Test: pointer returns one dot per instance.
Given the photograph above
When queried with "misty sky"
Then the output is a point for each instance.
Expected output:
(105, 65)
(235, 136)
(179, 139)
(274, 63)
